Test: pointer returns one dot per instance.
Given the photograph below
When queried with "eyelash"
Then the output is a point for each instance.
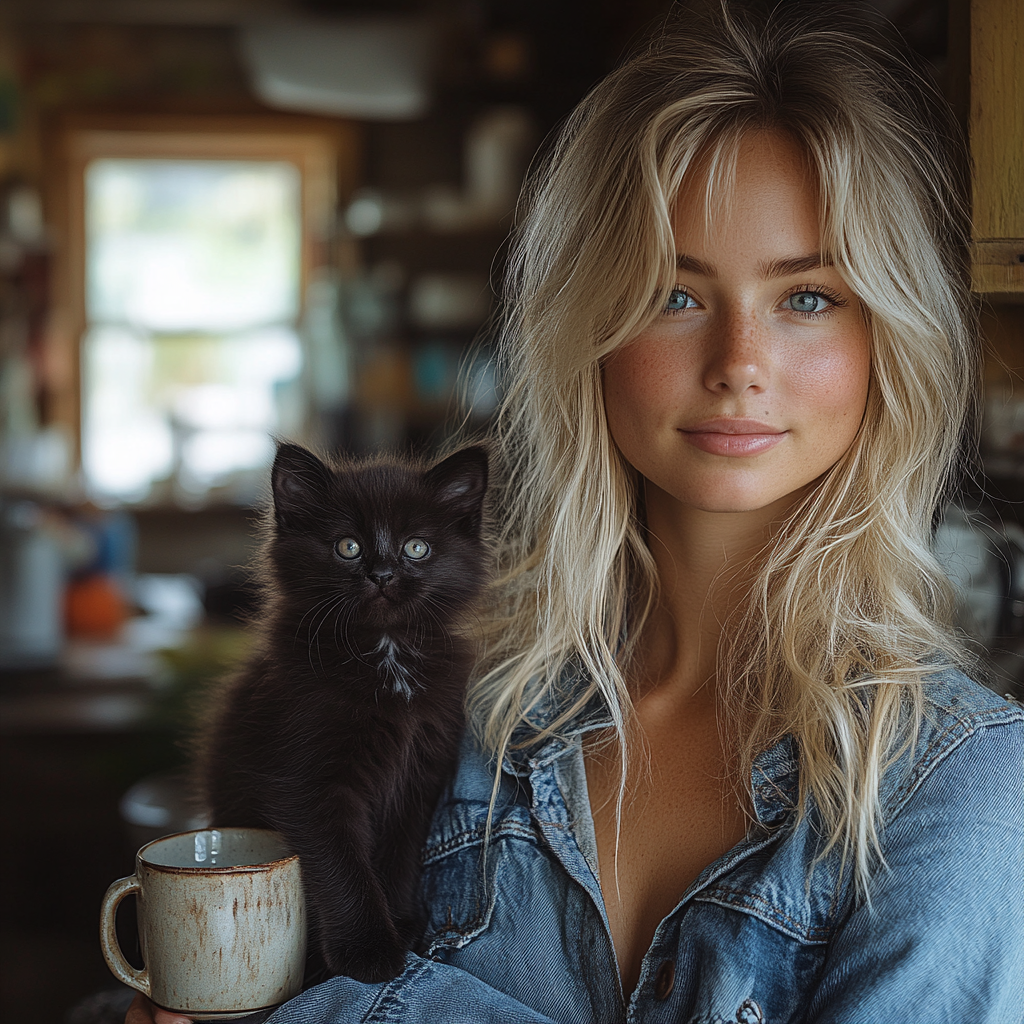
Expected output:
(835, 300)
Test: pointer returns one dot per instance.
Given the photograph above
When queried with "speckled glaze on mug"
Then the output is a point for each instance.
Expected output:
(222, 923)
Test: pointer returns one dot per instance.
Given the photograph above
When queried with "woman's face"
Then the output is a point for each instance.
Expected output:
(753, 381)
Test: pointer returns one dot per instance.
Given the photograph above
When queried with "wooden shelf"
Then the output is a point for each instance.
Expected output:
(997, 265)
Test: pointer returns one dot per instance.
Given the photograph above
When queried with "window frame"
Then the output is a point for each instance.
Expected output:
(327, 154)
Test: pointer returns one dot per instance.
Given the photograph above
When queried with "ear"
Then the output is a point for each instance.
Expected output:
(461, 480)
(300, 482)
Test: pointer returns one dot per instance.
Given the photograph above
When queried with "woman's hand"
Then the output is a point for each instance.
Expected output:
(142, 1011)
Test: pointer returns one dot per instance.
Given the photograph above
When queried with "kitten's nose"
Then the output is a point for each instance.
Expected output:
(381, 576)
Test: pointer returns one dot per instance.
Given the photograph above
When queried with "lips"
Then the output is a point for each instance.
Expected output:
(738, 438)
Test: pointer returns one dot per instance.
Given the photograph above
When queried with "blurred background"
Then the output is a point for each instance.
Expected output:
(227, 220)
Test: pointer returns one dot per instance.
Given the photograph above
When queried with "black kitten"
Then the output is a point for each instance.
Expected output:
(343, 729)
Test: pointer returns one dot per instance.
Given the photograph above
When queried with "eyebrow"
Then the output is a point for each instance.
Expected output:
(767, 269)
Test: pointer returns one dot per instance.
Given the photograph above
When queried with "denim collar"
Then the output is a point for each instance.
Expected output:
(775, 781)
(526, 753)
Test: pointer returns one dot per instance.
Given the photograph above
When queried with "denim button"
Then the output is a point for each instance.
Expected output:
(665, 980)
(749, 1013)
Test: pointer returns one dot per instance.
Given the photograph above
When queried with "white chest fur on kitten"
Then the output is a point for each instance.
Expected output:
(395, 674)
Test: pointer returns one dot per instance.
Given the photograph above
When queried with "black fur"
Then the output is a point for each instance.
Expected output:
(343, 729)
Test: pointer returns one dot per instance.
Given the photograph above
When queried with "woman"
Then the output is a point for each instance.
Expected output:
(724, 768)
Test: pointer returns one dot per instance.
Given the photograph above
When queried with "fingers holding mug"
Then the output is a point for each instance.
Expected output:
(142, 1011)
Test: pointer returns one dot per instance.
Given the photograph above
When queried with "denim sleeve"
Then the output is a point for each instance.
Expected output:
(425, 991)
(943, 942)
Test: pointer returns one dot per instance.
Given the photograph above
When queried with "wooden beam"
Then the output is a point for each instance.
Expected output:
(997, 143)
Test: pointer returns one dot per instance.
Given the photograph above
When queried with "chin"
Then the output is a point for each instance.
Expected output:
(739, 500)
(380, 611)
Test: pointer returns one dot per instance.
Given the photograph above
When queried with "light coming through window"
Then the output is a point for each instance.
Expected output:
(191, 357)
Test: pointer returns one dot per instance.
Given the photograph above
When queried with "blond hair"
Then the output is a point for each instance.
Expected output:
(849, 609)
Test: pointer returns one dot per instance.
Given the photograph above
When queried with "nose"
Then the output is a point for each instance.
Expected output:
(381, 575)
(737, 355)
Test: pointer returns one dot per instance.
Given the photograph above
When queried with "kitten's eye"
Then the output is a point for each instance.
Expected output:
(416, 548)
(348, 547)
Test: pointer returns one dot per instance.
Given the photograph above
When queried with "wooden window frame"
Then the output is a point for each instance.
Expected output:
(326, 152)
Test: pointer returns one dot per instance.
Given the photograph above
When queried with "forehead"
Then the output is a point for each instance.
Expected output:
(758, 193)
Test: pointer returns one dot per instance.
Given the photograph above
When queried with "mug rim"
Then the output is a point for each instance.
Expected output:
(213, 869)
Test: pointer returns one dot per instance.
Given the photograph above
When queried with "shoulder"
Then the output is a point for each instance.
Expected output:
(959, 697)
(969, 741)
(477, 794)
(941, 935)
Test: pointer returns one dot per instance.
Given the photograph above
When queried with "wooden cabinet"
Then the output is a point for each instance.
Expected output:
(997, 145)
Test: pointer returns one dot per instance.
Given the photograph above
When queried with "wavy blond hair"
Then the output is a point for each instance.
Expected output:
(849, 609)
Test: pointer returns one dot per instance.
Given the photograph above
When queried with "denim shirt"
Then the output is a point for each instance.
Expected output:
(521, 935)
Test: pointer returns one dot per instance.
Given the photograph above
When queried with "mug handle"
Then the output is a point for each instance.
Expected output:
(120, 967)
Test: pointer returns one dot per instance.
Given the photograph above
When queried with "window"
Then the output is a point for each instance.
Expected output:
(188, 256)
(191, 357)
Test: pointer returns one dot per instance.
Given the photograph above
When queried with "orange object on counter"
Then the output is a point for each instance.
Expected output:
(94, 606)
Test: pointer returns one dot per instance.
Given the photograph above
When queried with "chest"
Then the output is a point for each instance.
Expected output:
(680, 812)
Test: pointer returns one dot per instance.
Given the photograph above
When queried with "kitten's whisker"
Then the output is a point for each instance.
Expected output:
(337, 608)
(346, 637)
(323, 609)
(342, 619)
(442, 627)
(311, 614)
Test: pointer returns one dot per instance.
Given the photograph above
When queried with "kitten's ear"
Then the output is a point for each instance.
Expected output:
(461, 479)
(300, 483)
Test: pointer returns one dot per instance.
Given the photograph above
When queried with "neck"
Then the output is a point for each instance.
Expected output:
(706, 562)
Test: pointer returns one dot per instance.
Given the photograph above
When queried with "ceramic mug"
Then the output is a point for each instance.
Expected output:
(222, 922)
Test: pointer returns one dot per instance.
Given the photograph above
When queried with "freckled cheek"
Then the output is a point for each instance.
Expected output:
(833, 387)
(643, 378)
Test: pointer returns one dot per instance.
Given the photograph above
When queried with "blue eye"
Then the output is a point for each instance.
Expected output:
(808, 302)
(678, 300)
